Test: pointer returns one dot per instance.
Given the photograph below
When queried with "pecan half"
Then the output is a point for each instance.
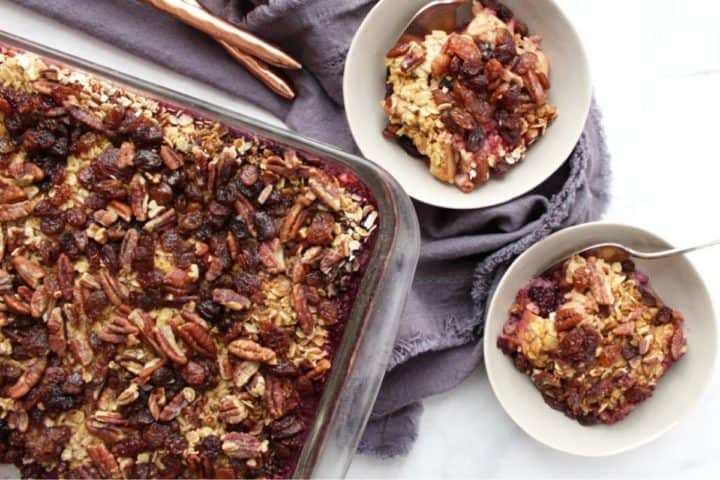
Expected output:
(83, 116)
(162, 221)
(80, 349)
(272, 255)
(327, 191)
(156, 402)
(231, 299)
(242, 446)
(166, 340)
(293, 221)
(274, 398)
(129, 395)
(56, 332)
(16, 305)
(232, 410)
(116, 292)
(30, 272)
(149, 368)
(65, 276)
(39, 302)
(118, 330)
(197, 338)
(104, 461)
(249, 350)
(171, 158)
(128, 248)
(304, 317)
(181, 400)
(122, 210)
(30, 377)
(16, 211)
(244, 372)
(139, 197)
(107, 433)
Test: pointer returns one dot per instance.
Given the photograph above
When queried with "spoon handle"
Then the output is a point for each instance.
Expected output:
(674, 251)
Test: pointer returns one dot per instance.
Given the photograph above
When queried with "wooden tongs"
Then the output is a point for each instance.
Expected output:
(252, 52)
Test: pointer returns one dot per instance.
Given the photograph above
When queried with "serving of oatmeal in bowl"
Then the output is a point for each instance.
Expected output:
(472, 117)
(597, 355)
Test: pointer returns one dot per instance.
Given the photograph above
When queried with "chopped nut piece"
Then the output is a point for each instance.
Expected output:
(231, 299)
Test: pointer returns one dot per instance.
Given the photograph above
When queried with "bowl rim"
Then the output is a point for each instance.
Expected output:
(455, 199)
(489, 343)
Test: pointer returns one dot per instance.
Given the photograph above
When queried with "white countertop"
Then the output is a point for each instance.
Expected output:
(656, 69)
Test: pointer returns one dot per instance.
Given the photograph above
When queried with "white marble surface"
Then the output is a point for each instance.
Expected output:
(656, 68)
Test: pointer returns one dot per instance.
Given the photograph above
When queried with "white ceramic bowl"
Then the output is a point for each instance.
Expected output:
(676, 282)
(364, 89)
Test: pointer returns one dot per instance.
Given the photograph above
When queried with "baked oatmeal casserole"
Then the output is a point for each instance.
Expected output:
(469, 102)
(171, 291)
(594, 337)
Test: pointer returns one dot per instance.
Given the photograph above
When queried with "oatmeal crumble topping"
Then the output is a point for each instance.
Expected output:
(593, 337)
(170, 290)
(469, 102)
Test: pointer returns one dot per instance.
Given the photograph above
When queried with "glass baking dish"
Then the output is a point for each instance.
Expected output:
(363, 352)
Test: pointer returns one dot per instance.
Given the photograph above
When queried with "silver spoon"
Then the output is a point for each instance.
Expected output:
(617, 252)
(446, 15)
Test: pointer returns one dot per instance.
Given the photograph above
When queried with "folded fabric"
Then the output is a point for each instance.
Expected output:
(463, 252)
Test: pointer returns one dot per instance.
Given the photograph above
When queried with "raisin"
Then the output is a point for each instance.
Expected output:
(545, 295)
(34, 140)
(76, 217)
(96, 303)
(147, 160)
(52, 225)
(129, 446)
(111, 189)
(227, 194)
(211, 447)
(83, 143)
(246, 283)
(73, 384)
(175, 178)
(170, 240)
(663, 316)
(48, 250)
(472, 66)
(249, 174)
(155, 435)
(164, 377)
(193, 192)
(146, 134)
(109, 257)
(509, 127)
(86, 177)
(44, 209)
(238, 226)
(475, 140)
(320, 231)
(191, 221)
(176, 444)
(105, 166)
(579, 345)
(264, 225)
(150, 279)
(210, 310)
(55, 399)
(69, 246)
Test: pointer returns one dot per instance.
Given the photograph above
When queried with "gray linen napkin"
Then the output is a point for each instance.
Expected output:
(463, 253)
